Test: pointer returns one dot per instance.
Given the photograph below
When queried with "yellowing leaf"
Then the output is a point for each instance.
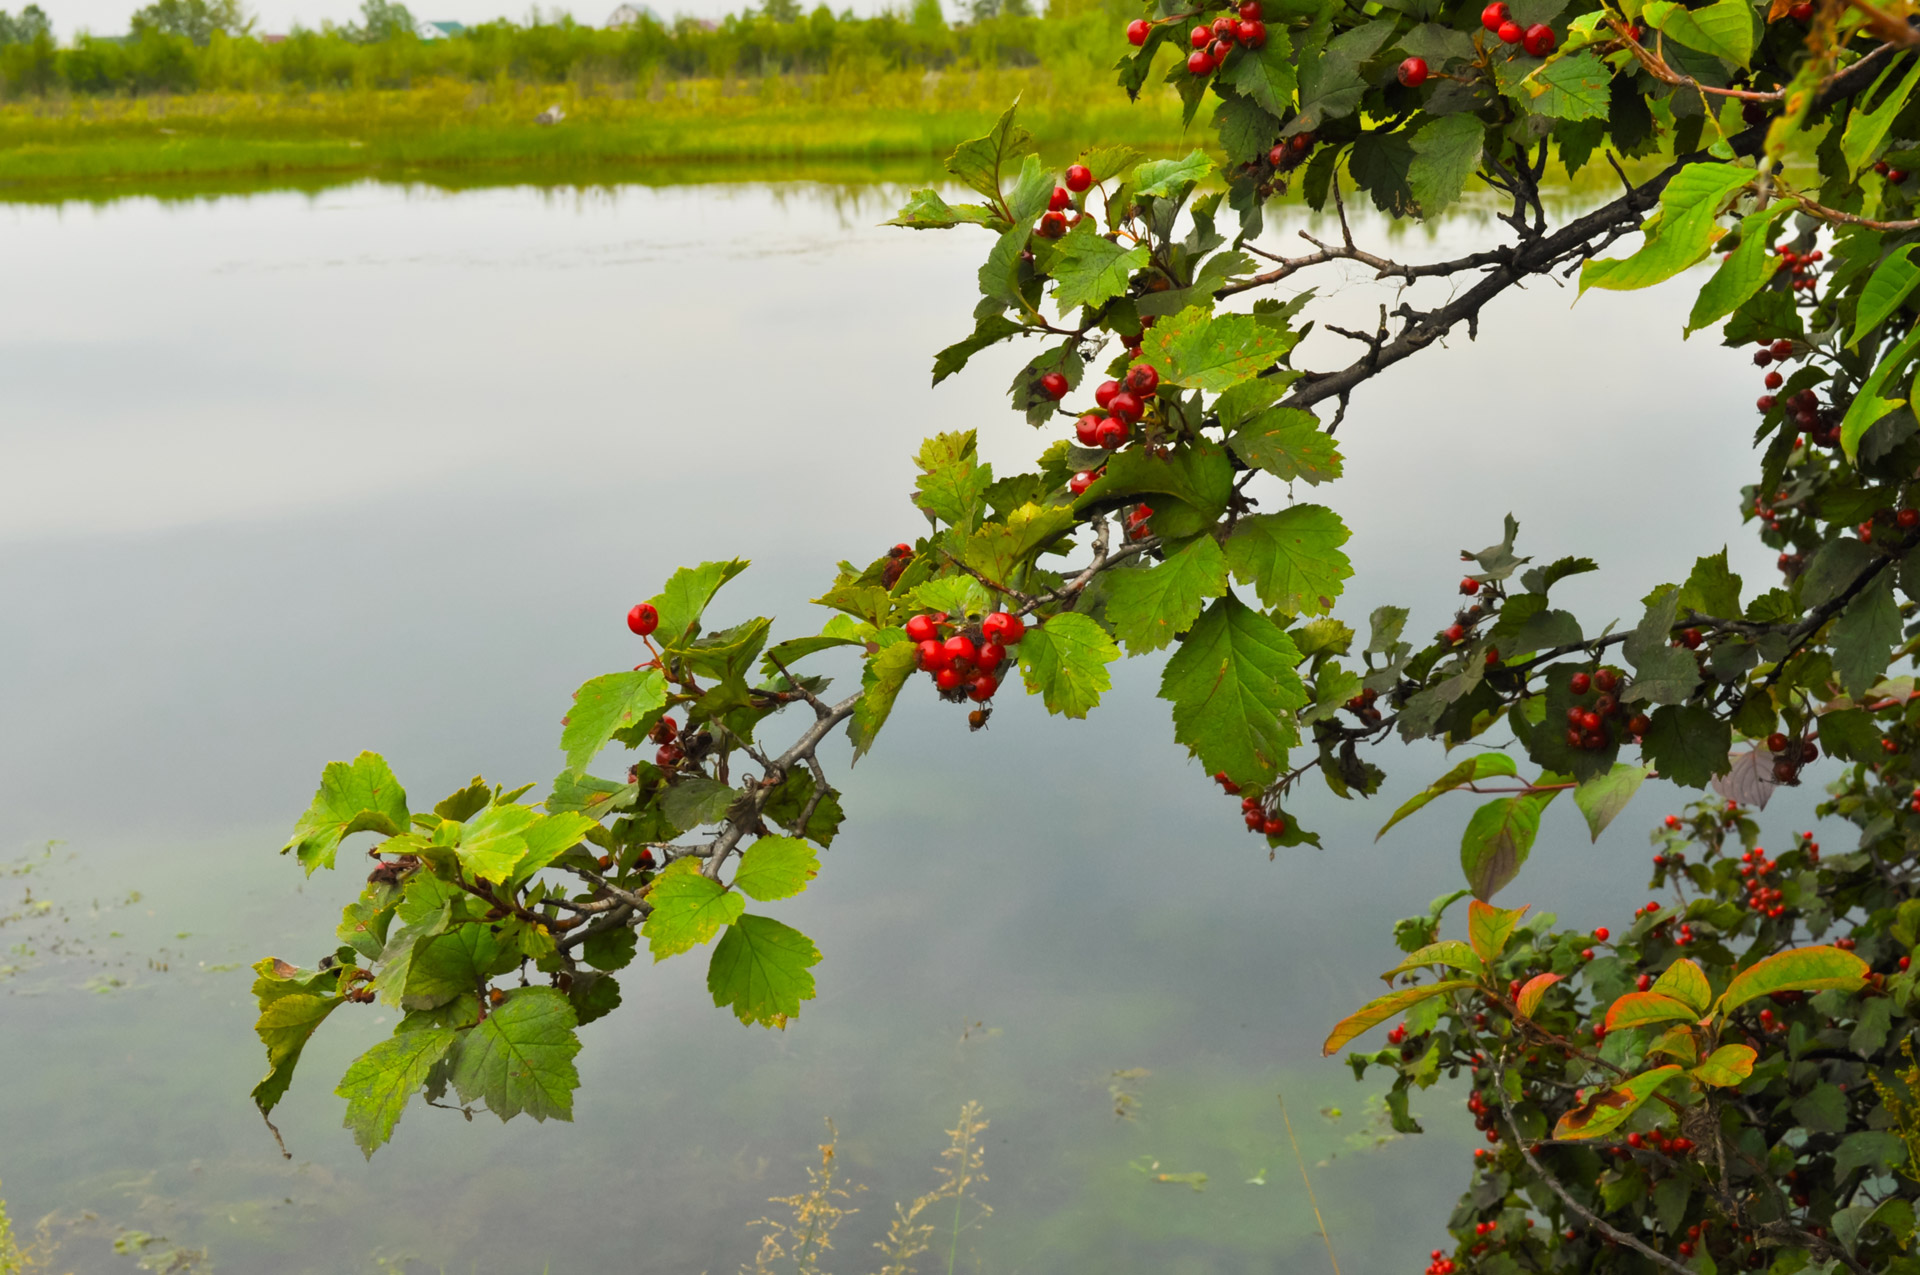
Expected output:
(1726, 1066)
(1531, 992)
(1381, 1008)
(1608, 1109)
(1451, 953)
(1637, 1009)
(688, 909)
(1490, 928)
(1803, 969)
(1686, 983)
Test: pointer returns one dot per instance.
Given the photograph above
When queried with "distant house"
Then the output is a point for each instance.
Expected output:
(628, 15)
(273, 39)
(438, 30)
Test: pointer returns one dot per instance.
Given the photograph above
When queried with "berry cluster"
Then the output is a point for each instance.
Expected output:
(1122, 404)
(965, 664)
(1789, 755)
(1252, 809)
(1764, 899)
(1212, 42)
(1487, 598)
(1441, 1264)
(1588, 724)
(1538, 40)
(1063, 214)
(1894, 175)
(1362, 706)
(898, 559)
(1903, 519)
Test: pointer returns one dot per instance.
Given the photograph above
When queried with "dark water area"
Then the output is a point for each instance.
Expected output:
(295, 474)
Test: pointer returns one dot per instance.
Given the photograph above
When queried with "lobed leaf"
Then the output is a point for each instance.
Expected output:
(760, 971)
(520, 1059)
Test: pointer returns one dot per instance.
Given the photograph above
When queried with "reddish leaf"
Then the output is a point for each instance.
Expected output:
(1536, 987)
(1607, 1110)
(1489, 928)
(1638, 1009)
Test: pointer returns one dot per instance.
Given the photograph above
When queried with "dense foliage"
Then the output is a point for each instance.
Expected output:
(185, 45)
(1711, 1085)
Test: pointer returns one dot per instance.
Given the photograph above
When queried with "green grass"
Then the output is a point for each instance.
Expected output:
(90, 148)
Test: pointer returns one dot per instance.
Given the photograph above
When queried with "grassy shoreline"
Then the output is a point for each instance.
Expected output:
(89, 148)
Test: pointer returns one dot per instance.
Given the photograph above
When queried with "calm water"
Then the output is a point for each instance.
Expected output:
(287, 476)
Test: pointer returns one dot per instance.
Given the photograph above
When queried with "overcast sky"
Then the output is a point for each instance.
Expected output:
(109, 17)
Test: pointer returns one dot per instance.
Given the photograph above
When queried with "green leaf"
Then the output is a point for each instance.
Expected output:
(1745, 271)
(521, 1058)
(1601, 799)
(1234, 689)
(1446, 151)
(1452, 953)
(776, 868)
(1381, 1008)
(1609, 1109)
(1031, 190)
(991, 329)
(790, 800)
(1570, 88)
(1472, 770)
(357, 796)
(1065, 662)
(1687, 983)
(1876, 1149)
(759, 971)
(1888, 288)
(1197, 351)
(293, 1004)
(1498, 839)
(494, 842)
(979, 162)
(695, 799)
(1198, 476)
(926, 210)
(550, 837)
(1687, 744)
(1801, 969)
(1868, 407)
(1728, 1067)
(594, 798)
(881, 677)
(957, 595)
(1288, 443)
(1712, 589)
(1149, 607)
(1089, 269)
(1266, 74)
(1171, 178)
(686, 595)
(1865, 635)
(1292, 558)
(999, 547)
(953, 482)
(379, 1082)
(1681, 234)
(1866, 130)
(1724, 29)
(688, 910)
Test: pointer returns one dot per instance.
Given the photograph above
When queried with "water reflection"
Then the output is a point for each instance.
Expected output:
(301, 473)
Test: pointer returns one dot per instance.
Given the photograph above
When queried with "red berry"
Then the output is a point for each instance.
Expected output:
(1762, 357)
(1224, 25)
(1059, 200)
(1601, 935)
(1201, 63)
(1907, 519)
(1456, 633)
(1905, 961)
(1111, 434)
(1301, 144)
(1200, 38)
(1690, 638)
(983, 688)
(1469, 587)
(1081, 481)
(991, 655)
(1142, 380)
(1540, 39)
(1579, 683)
(1273, 827)
(1764, 402)
(1607, 680)
(1079, 177)
(1586, 953)
(1493, 15)
(960, 649)
(1278, 155)
(1103, 396)
(948, 678)
(1052, 226)
(1250, 11)
(1774, 380)
(933, 656)
(1054, 386)
(1253, 819)
(1802, 12)
(1643, 982)
(1253, 34)
(1003, 628)
(1776, 743)
(1783, 347)
(1126, 405)
(1510, 32)
(643, 619)
(1137, 31)
(1087, 429)
(1413, 72)
(1590, 721)
(669, 756)
(921, 628)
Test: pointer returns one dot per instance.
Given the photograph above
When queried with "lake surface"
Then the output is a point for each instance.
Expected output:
(288, 476)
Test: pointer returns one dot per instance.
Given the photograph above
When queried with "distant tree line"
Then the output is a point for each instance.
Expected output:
(178, 46)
